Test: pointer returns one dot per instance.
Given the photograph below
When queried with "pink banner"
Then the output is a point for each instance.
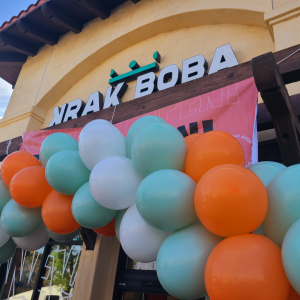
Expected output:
(231, 109)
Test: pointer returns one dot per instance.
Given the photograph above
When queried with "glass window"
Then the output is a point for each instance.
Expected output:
(21, 274)
(146, 296)
(134, 265)
(48, 273)
(133, 296)
(62, 266)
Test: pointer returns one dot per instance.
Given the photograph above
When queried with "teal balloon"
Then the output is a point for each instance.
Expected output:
(290, 254)
(266, 170)
(118, 220)
(54, 143)
(66, 173)
(4, 195)
(63, 237)
(284, 203)
(19, 221)
(158, 147)
(259, 230)
(7, 251)
(88, 212)
(135, 129)
(165, 200)
(181, 261)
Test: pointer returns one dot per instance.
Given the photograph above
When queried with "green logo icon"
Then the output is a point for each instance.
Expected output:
(136, 71)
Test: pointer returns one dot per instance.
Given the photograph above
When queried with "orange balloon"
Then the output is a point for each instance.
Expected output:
(107, 230)
(15, 162)
(230, 200)
(57, 213)
(246, 267)
(213, 149)
(29, 187)
(293, 295)
(190, 139)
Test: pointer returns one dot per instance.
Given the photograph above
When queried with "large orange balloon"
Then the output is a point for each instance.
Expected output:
(214, 148)
(293, 295)
(29, 187)
(57, 213)
(190, 139)
(246, 267)
(15, 162)
(230, 200)
(107, 230)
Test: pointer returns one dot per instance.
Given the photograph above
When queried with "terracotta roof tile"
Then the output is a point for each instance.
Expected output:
(22, 13)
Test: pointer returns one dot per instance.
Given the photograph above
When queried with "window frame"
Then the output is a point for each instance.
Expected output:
(140, 281)
(41, 271)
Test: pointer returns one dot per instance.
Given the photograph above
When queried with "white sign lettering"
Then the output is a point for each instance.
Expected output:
(192, 68)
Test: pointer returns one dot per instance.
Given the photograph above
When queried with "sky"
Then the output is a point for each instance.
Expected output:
(8, 9)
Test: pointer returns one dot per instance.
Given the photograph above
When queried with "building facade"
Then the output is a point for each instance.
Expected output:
(80, 64)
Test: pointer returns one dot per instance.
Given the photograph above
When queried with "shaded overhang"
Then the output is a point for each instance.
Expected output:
(43, 23)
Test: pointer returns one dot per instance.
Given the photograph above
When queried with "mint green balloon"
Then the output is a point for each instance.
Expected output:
(54, 143)
(290, 254)
(266, 170)
(88, 212)
(135, 129)
(66, 173)
(4, 195)
(118, 220)
(63, 237)
(158, 147)
(7, 251)
(165, 200)
(19, 221)
(284, 203)
(181, 261)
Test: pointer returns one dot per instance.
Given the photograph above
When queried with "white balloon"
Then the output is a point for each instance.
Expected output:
(114, 182)
(98, 141)
(4, 237)
(34, 241)
(97, 121)
(139, 240)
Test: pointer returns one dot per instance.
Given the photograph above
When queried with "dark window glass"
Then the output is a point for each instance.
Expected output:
(21, 274)
(134, 265)
(62, 266)
(19, 277)
(146, 296)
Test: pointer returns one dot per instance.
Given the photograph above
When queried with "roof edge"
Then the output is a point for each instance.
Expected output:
(22, 13)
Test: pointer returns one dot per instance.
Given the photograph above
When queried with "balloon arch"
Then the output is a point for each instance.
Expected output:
(187, 203)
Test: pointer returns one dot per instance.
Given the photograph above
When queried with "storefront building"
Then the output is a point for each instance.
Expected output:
(80, 64)
(58, 51)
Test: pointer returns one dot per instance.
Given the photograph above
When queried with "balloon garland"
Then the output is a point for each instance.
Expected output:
(187, 203)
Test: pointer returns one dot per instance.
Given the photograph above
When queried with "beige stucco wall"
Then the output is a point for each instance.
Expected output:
(283, 23)
(80, 64)
(279, 3)
(174, 47)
